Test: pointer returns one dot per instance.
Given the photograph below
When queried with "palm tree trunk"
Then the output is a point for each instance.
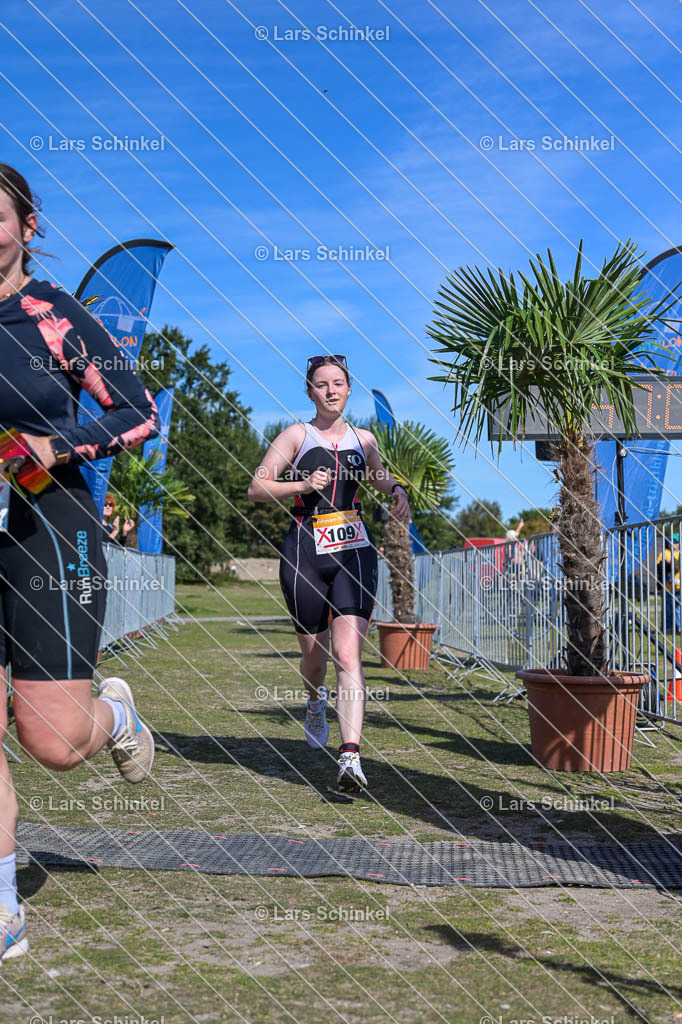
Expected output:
(580, 543)
(400, 560)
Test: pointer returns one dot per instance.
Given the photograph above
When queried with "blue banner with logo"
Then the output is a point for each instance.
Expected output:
(645, 464)
(124, 279)
(149, 534)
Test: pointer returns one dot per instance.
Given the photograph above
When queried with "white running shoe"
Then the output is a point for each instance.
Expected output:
(13, 941)
(133, 748)
(351, 778)
(316, 726)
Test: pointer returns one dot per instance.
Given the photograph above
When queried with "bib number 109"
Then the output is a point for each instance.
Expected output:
(337, 533)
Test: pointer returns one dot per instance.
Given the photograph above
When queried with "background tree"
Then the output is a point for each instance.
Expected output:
(436, 526)
(479, 519)
(213, 449)
(269, 520)
(676, 512)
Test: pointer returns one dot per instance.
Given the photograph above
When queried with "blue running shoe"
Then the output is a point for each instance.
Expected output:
(133, 748)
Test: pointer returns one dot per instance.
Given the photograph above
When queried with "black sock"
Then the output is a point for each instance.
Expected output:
(346, 748)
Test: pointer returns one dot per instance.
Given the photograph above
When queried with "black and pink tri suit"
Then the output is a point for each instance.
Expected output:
(345, 581)
(52, 566)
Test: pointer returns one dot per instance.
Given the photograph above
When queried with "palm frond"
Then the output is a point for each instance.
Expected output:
(419, 459)
(138, 482)
(571, 341)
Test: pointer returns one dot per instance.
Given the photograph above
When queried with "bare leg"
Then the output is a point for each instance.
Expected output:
(9, 810)
(313, 664)
(51, 718)
(60, 723)
(348, 634)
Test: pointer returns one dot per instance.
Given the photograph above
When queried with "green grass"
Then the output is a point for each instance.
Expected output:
(235, 598)
(230, 758)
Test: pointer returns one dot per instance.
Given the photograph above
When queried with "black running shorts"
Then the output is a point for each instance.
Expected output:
(312, 584)
(52, 581)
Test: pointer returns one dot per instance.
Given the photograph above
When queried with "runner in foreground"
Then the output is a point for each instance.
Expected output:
(51, 610)
(328, 558)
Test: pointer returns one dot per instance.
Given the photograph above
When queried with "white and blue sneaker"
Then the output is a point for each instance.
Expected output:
(133, 747)
(316, 726)
(13, 941)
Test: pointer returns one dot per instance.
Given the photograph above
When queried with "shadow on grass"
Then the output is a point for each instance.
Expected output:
(625, 988)
(449, 804)
(32, 877)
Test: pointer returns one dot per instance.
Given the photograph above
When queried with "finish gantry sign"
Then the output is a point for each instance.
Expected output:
(658, 411)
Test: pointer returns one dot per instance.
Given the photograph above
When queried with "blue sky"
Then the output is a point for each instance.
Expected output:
(409, 152)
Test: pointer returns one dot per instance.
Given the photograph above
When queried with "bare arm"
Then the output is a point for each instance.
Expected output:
(265, 486)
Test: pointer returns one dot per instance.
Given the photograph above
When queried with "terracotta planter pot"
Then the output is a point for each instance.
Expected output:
(406, 646)
(596, 716)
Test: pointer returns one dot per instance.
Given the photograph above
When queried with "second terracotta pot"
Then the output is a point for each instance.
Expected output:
(582, 723)
(406, 646)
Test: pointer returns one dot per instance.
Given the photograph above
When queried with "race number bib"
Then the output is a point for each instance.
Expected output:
(5, 491)
(336, 531)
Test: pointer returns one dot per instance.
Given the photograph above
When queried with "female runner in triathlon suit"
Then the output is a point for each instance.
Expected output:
(52, 567)
(328, 558)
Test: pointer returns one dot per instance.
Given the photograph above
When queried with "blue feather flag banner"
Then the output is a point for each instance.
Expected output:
(646, 461)
(383, 409)
(124, 279)
(149, 534)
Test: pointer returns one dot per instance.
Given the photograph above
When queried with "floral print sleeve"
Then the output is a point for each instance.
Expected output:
(81, 348)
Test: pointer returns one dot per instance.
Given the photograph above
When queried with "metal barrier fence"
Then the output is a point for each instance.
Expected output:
(501, 605)
(644, 610)
(140, 592)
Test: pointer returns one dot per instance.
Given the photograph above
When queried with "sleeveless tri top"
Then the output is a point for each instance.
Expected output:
(345, 458)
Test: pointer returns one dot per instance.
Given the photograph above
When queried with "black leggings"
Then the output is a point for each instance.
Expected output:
(52, 581)
(345, 581)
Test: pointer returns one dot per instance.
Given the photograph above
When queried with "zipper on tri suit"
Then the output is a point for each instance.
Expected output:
(336, 469)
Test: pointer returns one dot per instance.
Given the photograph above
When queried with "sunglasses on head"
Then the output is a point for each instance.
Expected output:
(316, 360)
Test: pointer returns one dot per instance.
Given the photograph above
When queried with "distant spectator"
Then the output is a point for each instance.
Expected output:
(515, 555)
(513, 532)
(668, 567)
(111, 524)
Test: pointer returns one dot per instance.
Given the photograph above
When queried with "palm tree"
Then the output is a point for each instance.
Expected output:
(422, 462)
(138, 483)
(576, 345)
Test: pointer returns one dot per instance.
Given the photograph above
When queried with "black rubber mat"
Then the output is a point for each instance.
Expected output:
(495, 865)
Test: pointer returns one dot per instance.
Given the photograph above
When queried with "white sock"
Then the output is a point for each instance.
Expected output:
(8, 883)
(315, 705)
(120, 717)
